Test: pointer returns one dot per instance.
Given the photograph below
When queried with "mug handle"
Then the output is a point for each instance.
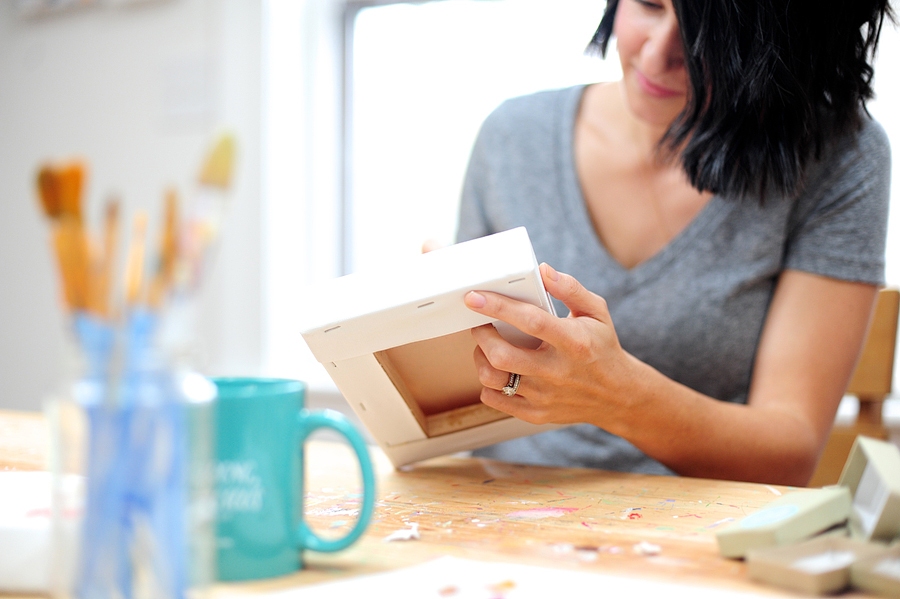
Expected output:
(310, 421)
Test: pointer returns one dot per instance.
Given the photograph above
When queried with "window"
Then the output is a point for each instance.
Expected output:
(371, 113)
(422, 77)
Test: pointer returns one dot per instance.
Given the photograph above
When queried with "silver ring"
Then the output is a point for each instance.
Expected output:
(512, 386)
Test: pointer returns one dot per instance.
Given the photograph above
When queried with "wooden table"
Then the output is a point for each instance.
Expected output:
(625, 524)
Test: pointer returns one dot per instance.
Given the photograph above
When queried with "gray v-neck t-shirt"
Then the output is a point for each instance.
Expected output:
(695, 310)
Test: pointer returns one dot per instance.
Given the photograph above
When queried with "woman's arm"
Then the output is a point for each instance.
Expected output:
(808, 349)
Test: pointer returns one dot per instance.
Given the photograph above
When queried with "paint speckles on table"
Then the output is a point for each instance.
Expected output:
(541, 512)
(632, 513)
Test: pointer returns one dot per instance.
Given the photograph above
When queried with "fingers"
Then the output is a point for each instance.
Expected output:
(494, 380)
(526, 317)
(488, 375)
(495, 357)
(535, 321)
(566, 361)
(517, 406)
(577, 299)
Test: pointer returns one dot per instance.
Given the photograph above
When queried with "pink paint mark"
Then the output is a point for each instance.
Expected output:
(586, 525)
(634, 516)
(45, 512)
(722, 521)
(542, 512)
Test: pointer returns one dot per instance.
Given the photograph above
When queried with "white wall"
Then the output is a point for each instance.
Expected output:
(884, 109)
(139, 91)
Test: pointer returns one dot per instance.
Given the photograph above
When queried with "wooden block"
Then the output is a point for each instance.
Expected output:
(878, 574)
(788, 519)
(817, 566)
(837, 450)
(872, 474)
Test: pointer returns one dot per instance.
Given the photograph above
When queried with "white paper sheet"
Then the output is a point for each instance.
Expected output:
(455, 578)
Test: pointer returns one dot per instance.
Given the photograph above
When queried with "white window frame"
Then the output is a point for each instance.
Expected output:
(302, 212)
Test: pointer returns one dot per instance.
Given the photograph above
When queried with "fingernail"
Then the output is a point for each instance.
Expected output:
(551, 272)
(475, 300)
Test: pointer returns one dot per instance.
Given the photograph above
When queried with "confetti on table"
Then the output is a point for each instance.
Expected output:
(645, 548)
(406, 534)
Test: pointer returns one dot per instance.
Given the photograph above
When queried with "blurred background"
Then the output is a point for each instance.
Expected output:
(353, 121)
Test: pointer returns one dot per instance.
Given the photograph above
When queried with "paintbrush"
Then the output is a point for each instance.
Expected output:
(219, 165)
(106, 263)
(71, 244)
(168, 252)
(70, 181)
(134, 269)
(48, 192)
(59, 191)
(207, 210)
(47, 184)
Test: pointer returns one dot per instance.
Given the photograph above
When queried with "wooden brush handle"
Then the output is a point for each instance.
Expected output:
(72, 254)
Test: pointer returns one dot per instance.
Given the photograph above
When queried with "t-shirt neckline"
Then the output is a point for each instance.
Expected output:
(576, 206)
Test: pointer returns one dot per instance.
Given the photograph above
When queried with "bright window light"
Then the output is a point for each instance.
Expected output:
(424, 78)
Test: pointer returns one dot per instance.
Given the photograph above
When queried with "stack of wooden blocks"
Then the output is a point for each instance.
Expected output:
(826, 540)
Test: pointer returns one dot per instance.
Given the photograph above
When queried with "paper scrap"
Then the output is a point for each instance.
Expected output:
(645, 548)
(459, 578)
(406, 534)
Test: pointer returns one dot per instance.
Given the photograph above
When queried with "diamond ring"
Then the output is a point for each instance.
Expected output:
(512, 386)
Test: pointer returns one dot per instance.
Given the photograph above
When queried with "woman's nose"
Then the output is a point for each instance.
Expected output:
(663, 50)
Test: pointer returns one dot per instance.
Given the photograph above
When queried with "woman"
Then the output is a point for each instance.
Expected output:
(721, 214)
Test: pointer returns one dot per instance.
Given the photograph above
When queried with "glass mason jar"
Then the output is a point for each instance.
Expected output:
(132, 456)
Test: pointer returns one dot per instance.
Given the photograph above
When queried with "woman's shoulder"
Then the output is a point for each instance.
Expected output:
(540, 110)
(873, 138)
(868, 144)
(853, 170)
(540, 101)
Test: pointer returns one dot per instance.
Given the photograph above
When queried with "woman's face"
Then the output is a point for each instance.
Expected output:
(652, 57)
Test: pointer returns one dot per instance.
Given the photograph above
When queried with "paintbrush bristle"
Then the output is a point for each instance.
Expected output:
(219, 166)
(48, 192)
(107, 261)
(112, 209)
(71, 180)
(134, 269)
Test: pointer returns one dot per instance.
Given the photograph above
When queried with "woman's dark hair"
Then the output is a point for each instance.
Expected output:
(770, 82)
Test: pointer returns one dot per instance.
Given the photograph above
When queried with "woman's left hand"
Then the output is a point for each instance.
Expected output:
(579, 373)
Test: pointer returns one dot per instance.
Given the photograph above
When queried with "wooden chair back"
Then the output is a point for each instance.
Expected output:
(871, 384)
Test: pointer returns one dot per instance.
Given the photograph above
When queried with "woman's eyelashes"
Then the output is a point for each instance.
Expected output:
(649, 5)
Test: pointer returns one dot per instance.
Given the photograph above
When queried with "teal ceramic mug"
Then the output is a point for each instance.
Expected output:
(261, 426)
